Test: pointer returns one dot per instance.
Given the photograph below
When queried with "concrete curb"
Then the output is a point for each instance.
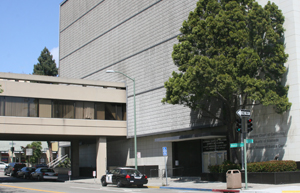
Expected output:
(195, 189)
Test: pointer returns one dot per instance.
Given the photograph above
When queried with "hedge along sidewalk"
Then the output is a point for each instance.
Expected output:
(267, 166)
(272, 166)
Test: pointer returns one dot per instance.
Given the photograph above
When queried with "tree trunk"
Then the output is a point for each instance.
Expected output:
(50, 151)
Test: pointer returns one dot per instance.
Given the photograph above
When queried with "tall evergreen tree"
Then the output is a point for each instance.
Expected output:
(46, 64)
(230, 51)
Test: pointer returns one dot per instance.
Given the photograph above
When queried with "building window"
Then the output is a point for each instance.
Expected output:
(115, 111)
(84, 110)
(29, 107)
(63, 109)
(18, 106)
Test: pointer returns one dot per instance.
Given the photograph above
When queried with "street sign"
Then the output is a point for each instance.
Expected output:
(249, 140)
(165, 151)
(233, 145)
(243, 113)
(29, 151)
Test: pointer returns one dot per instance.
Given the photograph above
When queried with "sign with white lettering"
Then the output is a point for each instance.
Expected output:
(243, 113)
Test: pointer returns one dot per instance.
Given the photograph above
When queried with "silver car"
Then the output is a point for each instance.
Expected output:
(2, 166)
(44, 174)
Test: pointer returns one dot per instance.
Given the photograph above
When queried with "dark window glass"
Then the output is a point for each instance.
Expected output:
(33, 107)
(17, 106)
(115, 111)
(100, 111)
(136, 172)
(2, 106)
(47, 170)
(63, 109)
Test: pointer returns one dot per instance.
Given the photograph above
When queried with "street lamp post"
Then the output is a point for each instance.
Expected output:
(134, 115)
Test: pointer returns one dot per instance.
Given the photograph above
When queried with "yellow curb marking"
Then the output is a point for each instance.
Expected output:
(153, 187)
(286, 191)
(30, 189)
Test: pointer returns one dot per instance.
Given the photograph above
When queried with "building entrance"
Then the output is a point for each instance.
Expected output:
(187, 158)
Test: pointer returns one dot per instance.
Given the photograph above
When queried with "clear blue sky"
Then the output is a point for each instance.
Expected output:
(27, 26)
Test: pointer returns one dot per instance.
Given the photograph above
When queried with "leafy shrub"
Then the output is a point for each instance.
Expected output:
(224, 167)
(268, 166)
(272, 166)
(65, 164)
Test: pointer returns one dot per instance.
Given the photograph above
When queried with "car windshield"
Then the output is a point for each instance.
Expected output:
(47, 170)
(31, 169)
(19, 166)
(134, 172)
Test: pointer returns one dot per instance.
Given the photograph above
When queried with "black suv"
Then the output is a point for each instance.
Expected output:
(13, 168)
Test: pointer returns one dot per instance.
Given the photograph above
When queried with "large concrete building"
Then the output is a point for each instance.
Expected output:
(136, 38)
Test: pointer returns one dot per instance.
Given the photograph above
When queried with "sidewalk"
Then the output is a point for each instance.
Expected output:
(198, 185)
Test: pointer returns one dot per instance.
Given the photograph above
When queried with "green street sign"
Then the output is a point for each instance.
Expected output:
(249, 140)
(233, 145)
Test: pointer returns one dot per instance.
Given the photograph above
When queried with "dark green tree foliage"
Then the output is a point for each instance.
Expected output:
(46, 64)
(227, 50)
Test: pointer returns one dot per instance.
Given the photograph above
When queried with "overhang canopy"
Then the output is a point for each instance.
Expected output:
(204, 135)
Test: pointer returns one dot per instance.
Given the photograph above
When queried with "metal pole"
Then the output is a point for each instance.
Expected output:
(135, 143)
(245, 154)
(242, 148)
(12, 153)
(166, 171)
(242, 136)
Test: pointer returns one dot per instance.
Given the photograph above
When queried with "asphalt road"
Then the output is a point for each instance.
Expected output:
(10, 184)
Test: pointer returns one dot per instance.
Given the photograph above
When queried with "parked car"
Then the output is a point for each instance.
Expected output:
(124, 176)
(13, 168)
(44, 174)
(41, 166)
(25, 172)
(3, 165)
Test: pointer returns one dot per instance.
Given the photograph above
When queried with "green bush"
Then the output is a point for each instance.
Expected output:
(272, 166)
(224, 167)
(65, 164)
(268, 166)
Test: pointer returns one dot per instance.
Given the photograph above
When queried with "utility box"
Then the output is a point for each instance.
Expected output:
(234, 179)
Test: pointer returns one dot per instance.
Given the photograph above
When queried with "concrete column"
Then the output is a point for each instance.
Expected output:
(75, 158)
(101, 159)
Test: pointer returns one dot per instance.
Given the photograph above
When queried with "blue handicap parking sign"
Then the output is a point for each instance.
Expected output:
(165, 151)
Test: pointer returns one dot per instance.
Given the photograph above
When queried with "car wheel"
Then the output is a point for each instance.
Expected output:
(11, 174)
(24, 176)
(39, 178)
(119, 184)
(140, 185)
(103, 183)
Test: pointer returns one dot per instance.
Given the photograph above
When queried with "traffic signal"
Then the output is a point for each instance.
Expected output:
(249, 125)
(238, 125)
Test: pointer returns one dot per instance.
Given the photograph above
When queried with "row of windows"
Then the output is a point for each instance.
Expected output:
(30, 107)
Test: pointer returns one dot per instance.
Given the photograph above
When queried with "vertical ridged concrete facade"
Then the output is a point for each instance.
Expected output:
(136, 38)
